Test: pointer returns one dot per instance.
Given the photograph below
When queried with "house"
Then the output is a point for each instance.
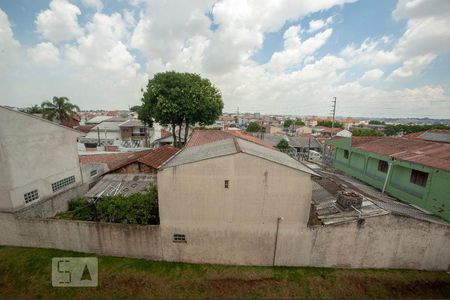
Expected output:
(38, 159)
(270, 129)
(326, 132)
(95, 165)
(300, 145)
(416, 171)
(303, 130)
(216, 195)
(344, 133)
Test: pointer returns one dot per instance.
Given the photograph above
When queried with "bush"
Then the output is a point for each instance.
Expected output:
(134, 209)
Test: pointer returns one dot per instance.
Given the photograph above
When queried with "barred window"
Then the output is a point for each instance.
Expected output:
(179, 237)
(418, 177)
(383, 166)
(93, 173)
(31, 196)
(62, 183)
(346, 153)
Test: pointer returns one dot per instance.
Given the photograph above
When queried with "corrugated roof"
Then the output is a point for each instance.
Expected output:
(157, 157)
(113, 160)
(132, 123)
(431, 154)
(121, 184)
(232, 146)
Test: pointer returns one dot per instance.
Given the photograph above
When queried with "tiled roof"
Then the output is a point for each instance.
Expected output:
(114, 160)
(431, 154)
(200, 137)
(157, 157)
(84, 128)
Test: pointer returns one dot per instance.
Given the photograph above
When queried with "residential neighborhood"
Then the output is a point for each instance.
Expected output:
(222, 149)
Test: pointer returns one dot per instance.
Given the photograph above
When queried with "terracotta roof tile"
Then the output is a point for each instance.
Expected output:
(157, 157)
(200, 137)
(113, 160)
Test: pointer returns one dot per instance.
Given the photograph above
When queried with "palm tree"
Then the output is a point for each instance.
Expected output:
(60, 109)
(35, 109)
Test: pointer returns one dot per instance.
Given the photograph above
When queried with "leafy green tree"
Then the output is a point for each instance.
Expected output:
(283, 145)
(328, 123)
(253, 127)
(34, 109)
(376, 122)
(288, 123)
(59, 108)
(135, 108)
(180, 99)
(299, 122)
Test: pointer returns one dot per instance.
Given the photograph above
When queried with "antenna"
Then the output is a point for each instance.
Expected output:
(334, 114)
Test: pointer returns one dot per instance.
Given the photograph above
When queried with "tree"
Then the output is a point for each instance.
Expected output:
(288, 123)
(180, 99)
(283, 145)
(328, 123)
(135, 108)
(253, 127)
(60, 109)
(34, 109)
(376, 122)
(299, 122)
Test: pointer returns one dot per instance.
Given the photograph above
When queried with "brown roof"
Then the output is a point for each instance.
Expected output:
(431, 154)
(84, 128)
(200, 137)
(158, 156)
(358, 140)
(113, 160)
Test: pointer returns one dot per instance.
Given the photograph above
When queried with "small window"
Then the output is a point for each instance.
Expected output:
(346, 154)
(227, 184)
(383, 166)
(31, 196)
(93, 173)
(62, 183)
(418, 177)
(179, 238)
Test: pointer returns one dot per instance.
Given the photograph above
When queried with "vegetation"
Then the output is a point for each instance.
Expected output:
(328, 123)
(283, 145)
(135, 209)
(375, 122)
(135, 108)
(287, 123)
(299, 122)
(180, 99)
(60, 109)
(26, 273)
(253, 127)
(34, 109)
(366, 132)
(409, 128)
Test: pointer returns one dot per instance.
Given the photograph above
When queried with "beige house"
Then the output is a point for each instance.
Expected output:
(38, 159)
(214, 196)
(300, 131)
(274, 129)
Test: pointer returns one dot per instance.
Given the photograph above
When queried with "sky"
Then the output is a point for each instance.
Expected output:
(379, 58)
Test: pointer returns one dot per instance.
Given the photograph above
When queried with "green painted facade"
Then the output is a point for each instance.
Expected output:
(433, 197)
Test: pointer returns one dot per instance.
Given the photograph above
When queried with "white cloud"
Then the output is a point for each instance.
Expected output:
(295, 50)
(316, 25)
(44, 54)
(97, 4)
(60, 22)
(372, 75)
(413, 66)
(8, 45)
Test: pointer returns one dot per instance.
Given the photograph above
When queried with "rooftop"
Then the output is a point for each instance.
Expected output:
(121, 184)
(233, 146)
(132, 123)
(200, 137)
(431, 154)
(158, 156)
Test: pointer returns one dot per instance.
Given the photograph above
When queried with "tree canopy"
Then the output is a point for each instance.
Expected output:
(328, 123)
(180, 99)
(283, 145)
(288, 123)
(59, 108)
(253, 127)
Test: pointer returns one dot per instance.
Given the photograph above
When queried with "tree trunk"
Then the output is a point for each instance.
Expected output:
(186, 132)
(174, 135)
(179, 134)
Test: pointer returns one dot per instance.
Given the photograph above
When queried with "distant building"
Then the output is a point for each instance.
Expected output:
(416, 171)
(38, 159)
(270, 129)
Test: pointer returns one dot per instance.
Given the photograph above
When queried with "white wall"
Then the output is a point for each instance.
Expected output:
(34, 154)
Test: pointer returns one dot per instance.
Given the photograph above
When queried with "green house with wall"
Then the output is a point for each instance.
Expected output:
(412, 170)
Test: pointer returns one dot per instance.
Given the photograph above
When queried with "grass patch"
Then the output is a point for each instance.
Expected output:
(26, 273)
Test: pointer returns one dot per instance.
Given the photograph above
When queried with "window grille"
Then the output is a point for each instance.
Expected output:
(56, 186)
(31, 196)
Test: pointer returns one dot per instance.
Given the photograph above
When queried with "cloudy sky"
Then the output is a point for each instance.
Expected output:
(379, 58)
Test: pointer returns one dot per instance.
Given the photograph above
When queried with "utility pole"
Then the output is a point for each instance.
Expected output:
(334, 115)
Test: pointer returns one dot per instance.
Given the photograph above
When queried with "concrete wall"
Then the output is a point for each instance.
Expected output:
(34, 154)
(91, 237)
(381, 242)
